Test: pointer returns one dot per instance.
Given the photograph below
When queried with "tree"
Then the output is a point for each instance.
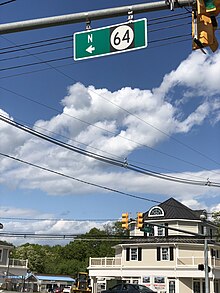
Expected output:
(216, 221)
(73, 257)
(35, 255)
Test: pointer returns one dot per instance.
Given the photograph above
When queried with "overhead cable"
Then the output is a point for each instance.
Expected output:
(106, 159)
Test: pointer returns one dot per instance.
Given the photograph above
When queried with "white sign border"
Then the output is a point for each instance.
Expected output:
(115, 52)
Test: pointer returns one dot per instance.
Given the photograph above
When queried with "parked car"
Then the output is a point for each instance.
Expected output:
(129, 288)
(67, 289)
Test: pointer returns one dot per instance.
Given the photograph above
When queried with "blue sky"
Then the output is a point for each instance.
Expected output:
(148, 106)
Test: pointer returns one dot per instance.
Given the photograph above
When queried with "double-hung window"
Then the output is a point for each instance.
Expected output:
(133, 253)
(165, 253)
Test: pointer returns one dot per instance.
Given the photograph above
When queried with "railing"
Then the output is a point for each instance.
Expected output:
(216, 262)
(189, 261)
(181, 262)
(18, 263)
(194, 261)
(105, 262)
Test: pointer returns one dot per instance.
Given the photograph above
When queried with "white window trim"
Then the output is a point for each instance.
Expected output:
(134, 248)
(153, 208)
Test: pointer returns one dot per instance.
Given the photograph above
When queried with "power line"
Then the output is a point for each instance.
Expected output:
(57, 219)
(108, 160)
(35, 46)
(33, 43)
(110, 132)
(113, 155)
(176, 140)
(76, 179)
(70, 47)
(36, 63)
(37, 53)
(62, 39)
(6, 2)
(98, 237)
(180, 142)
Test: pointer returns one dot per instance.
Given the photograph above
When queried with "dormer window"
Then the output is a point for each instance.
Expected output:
(156, 212)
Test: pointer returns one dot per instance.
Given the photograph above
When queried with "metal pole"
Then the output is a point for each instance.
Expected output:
(206, 261)
(89, 16)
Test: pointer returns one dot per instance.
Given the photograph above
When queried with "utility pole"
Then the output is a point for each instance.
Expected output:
(92, 15)
(206, 251)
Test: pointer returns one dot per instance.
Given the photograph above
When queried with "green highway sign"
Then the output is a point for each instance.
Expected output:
(119, 38)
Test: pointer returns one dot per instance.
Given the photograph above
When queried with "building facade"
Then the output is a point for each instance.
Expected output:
(168, 256)
(12, 271)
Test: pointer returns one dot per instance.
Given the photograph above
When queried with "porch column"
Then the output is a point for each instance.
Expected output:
(94, 284)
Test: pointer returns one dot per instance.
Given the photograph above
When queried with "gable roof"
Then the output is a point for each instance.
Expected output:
(174, 209)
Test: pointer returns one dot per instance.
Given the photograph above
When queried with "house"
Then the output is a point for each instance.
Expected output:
(168, 256)
(12, 271)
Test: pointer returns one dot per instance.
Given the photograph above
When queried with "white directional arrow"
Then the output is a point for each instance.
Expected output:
(90, 49)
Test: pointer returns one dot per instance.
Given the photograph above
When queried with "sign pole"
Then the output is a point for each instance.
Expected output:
(89, 16)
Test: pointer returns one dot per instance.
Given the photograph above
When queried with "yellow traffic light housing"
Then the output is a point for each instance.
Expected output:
(140, 220)
(124, 221)
(203, 31)
(208, 7)
(204, 24)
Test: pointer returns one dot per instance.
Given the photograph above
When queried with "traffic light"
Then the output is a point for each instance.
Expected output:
(208, 7)
(140, 220)
(204, 24)
(201, 267)
(203, 31)
(124, 221)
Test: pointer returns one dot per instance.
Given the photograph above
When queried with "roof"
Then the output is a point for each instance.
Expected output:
(169, 239)
(173, 209)
(52, 278)
(55, 278)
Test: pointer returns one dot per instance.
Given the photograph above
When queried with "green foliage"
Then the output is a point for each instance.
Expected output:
(73, 257)
(216, 221)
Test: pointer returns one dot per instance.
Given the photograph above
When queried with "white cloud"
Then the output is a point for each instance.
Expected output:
(115, 124)
(47, 231)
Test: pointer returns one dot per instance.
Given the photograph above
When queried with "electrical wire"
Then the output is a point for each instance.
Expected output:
(78, 180)
(150, 23)
(36, 63)
(33, 43)
(108, 160)
(113, 155)
(113, 103)
(70, 47)
(110, 132)
(192, 149)
(57, 219)
(131, 113)
(37, 53)
(83, 237)
(7, 2)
